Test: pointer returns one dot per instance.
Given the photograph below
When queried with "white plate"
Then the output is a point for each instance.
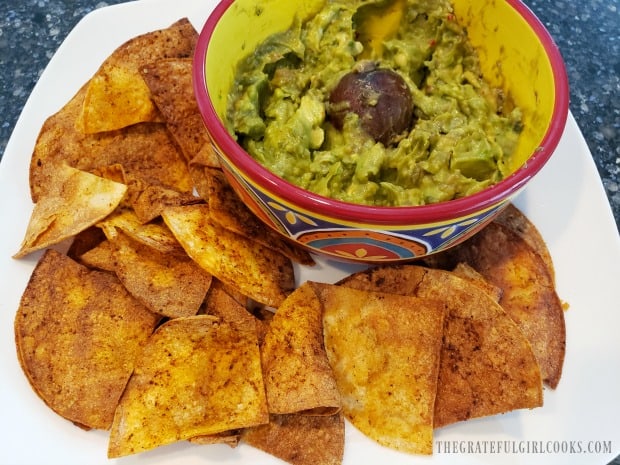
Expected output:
(566, 201)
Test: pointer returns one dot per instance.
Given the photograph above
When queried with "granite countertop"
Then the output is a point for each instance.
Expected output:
(587, 33)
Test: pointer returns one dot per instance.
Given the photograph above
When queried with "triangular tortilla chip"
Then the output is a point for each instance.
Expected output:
(487, 364)
(78, 333)
(515, 220)
(76, 201)
(260, 273)
(300, 439)
(221, 304)
(117, 96)
(196, 377)
(148, 200)
(154, 234)
(171, 86)
(298, 377)
(227, 210)
(144, 150)
(100, 257)
(384, 350)
(529, 297)
(172, 285)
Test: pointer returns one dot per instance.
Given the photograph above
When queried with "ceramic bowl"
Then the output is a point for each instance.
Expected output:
(516, 52)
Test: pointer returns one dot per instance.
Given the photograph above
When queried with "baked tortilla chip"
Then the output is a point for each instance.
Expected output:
(76, 201)
(100, 257)
(384, 350)
(298, 377)
(300, 439)
(487, 365)
(171, 87)
(143, 150)
(77, 334)
(514, 219)
(221, 304)
(196, 377)
(117, 96)
(227, 210)
(258, 272)
(171, 285)
(154, 234)
(463, 270)
(529, 297)
(148, 200)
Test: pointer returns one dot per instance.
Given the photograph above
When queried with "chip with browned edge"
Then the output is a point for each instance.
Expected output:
(515, 219)
(298, 377)
(154, 234)
(144, 150)
(117, 96)
(223, 305)
(77, 334)
(300, 439)
(487, 365)
(171, 86)
(227, 210)
(196, 376)
(384, 350)
(529, 297)
(172, 285)
(258, 272)
(76, 201)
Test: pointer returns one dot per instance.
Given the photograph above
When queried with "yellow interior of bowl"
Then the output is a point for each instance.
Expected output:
(510, 53)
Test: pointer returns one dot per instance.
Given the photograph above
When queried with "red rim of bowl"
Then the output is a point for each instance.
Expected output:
(430, 213)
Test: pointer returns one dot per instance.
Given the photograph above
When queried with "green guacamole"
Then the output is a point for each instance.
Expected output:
(462, 134)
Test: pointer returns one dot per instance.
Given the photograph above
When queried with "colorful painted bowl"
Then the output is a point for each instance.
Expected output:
(515, 50)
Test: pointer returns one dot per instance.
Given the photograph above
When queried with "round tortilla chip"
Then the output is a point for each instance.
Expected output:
(77, 334)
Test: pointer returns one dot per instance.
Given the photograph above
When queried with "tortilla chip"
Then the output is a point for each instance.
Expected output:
(221, 304)
(144, 150)
(258, 272)
(100, 257)
(84, 241)
(196, 377)
(171, 87)
(155, 234)
(384, 350)
(514, 219)
(463, 270)
(227, 209)
(230, 438)
(76, 201)
(298, 377)
(117, 96)
(148, 200)
(171, 285)
(487, 365)
(77, 334)
(505, 259)
(300, 439)
(206, 157)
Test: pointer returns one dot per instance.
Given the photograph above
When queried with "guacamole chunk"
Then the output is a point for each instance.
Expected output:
(460, 135)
